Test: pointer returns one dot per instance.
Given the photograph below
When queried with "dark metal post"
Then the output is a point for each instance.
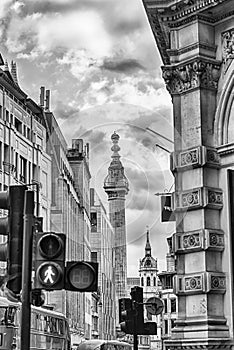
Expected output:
(135, 342)
(135, 335)
(26, 270)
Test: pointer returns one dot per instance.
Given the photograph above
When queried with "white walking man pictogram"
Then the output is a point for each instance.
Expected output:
(48, 275)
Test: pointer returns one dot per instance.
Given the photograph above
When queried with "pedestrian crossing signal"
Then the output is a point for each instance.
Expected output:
(50, 261)
(82, 276)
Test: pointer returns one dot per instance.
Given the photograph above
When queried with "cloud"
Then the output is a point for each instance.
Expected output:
(122, 65)
(64, 111)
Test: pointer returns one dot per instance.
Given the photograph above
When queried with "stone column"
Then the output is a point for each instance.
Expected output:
(200, 282)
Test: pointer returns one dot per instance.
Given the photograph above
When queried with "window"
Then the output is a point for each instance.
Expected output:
(142, 281)
(148, 282)
(154, 281)
(7, 116)
(172, 324)
(165, 306)
(166, 327)
(93, 222)
(173, 305)
(94, 256)
(23, 169)
(18, 125)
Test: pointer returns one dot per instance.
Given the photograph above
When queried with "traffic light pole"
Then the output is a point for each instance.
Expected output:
(135, 342)
(26, 270)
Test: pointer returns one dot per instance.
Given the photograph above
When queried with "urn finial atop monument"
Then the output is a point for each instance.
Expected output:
(116, 179)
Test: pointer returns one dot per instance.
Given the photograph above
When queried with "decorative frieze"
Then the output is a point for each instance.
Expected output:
(216, 283)
(203, 282)
(195, 157)
(214, 198)
(228, 44)
(197, 198)
(198, 240)
(195, 74)
(194, 283)
(227, 48)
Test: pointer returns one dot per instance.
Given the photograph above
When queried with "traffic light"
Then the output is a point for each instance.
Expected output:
(137, 302)
(149, 328)
(81, 276)
(13, 201)
(37, 297)
(50, 260)
(126, 315)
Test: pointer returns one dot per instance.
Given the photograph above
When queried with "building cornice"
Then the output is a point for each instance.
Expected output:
(165, 15)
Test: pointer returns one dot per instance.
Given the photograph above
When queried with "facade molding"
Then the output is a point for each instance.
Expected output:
(201, 282)
(198, 240)
(195, 157)
(198, 198)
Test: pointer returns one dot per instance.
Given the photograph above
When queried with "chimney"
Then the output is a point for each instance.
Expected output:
(6, 68)
(42, 96)
(14, 72)
(47, 99)
(77, 144)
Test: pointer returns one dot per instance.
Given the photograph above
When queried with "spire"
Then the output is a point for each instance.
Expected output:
(116, 179)
(14, 72)
(147, 246)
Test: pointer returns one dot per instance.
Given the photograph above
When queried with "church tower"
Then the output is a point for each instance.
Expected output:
(149, 281)
(116, 186)
(148, 270)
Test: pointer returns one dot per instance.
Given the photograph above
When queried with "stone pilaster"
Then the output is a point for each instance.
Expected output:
(193, 65)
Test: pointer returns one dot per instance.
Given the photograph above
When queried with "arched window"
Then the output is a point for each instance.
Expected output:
(148, 281)
(154, 281)
(142, 281)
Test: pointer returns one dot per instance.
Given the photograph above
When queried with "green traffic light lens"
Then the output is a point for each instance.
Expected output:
(50, 246)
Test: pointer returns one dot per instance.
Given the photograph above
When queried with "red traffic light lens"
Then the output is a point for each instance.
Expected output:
(50, 245)
(81, 275)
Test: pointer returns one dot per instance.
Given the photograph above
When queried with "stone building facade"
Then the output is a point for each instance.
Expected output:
(70, 214)
(168, 297)
(195, 40)
(102, 251)
(23, 154)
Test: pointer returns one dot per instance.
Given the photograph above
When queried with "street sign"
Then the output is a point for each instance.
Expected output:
(154, 306)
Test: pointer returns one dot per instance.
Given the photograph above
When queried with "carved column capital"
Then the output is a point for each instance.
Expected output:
(198, 73)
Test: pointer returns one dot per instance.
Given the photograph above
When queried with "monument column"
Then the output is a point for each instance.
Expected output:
(116, 187)
(187, 34)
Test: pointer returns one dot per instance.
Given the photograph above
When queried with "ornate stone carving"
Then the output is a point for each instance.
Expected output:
(191, 241)
(194, 283)
(189, 199)
(217, 283)
(195, 157)
(228, 44)
(195, 74)
(199, 198)
(189, 157)
(227, 48)
(203, 282)
(198, 240)
(214, 198)
(212, 157)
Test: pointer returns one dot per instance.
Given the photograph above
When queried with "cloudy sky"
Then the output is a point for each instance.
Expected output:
(100, 61)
